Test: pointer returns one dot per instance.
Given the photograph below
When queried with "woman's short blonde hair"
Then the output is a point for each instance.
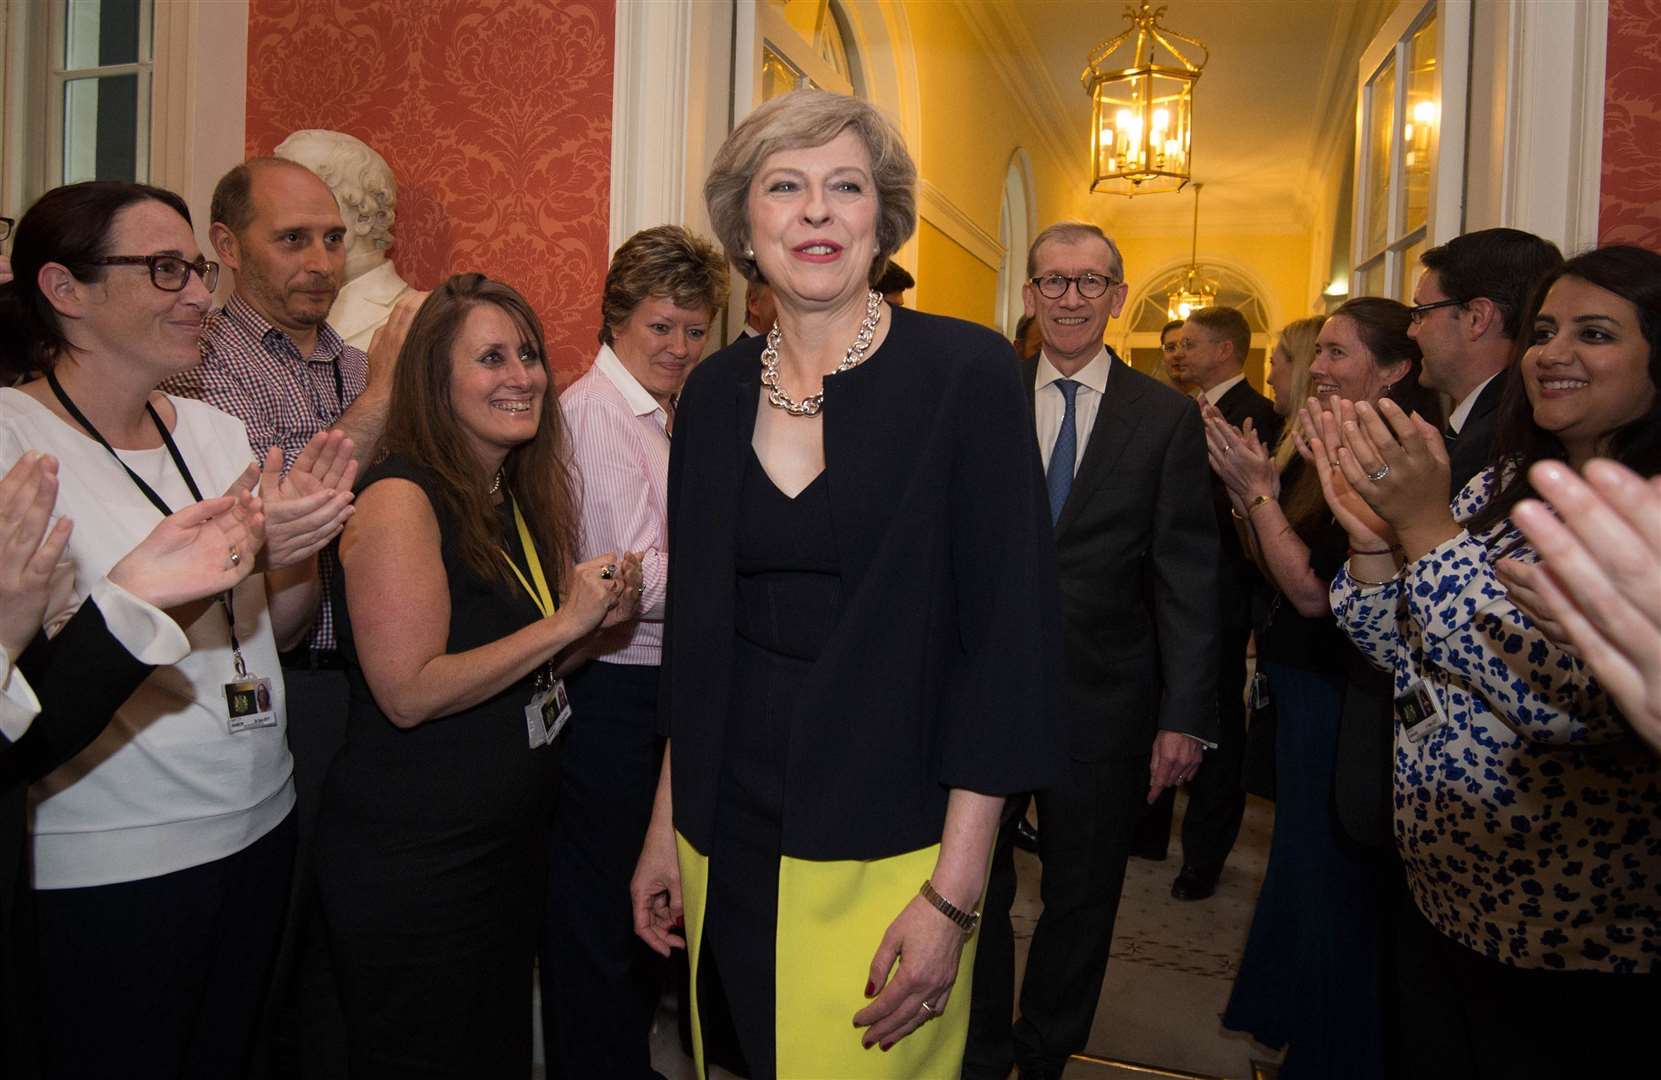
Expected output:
(666, 260)
(1299, 339)
(798, 120)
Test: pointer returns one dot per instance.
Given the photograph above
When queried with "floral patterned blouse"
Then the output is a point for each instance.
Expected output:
(1530, 821)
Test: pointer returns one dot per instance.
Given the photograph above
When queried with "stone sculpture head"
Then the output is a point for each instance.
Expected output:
(363, 185)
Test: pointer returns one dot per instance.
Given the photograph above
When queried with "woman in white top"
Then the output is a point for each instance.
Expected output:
(161, 852)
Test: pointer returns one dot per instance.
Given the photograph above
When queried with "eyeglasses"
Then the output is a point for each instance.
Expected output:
(6, 224)
(1090, 286)
(1418, 313)
(168, 273)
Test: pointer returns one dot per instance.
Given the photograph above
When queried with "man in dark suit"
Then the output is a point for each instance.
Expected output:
(1467, 315)
(1212, 355)
(1136, 550)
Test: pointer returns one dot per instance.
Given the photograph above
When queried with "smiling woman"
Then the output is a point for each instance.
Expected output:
(462, 607)
(182, 802)
(861, 639)
(663, 288)
(1525, 804)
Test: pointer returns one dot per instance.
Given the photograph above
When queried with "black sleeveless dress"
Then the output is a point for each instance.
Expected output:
(431, 848)
(789, 598)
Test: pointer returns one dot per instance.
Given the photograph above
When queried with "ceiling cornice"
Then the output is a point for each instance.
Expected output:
(1004, 41)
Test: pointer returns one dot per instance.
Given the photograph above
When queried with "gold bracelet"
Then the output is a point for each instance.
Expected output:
(1261, 500)
(966, 921)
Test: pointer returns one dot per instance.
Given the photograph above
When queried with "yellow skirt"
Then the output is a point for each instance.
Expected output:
(831, 918)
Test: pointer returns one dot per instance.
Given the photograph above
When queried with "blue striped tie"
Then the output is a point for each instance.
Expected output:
(1064, 455)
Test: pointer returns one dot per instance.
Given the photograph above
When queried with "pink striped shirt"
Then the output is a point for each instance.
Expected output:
(621, 452)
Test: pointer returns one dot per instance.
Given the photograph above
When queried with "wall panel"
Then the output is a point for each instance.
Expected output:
(1629, 209)
(494, 114)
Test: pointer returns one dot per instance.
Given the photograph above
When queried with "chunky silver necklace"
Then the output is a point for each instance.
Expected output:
(810, 405)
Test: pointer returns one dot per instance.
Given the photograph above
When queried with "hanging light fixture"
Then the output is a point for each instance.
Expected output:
(1141, 111)
(1195, 292)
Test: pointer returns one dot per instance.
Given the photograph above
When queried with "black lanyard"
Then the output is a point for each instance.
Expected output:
(149, 492)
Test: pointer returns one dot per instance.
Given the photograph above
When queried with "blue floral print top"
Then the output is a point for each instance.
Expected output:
(1530, 821)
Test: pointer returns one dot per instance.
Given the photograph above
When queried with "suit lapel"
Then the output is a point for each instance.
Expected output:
(1116, 421)
(1233, 405)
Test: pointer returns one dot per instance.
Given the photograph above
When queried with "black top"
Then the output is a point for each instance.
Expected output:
(1311, 642)
(942, 668)
(789, 584)
(461, 774)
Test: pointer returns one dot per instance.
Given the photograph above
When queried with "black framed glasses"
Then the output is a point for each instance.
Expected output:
(6, 225)
(1089, 286)
(169, 273)
(1418, 312)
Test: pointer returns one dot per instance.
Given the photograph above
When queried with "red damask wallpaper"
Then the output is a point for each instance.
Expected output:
(1630, 209)
(494, 114)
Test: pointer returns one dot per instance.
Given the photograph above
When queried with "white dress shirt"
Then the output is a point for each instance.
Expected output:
(620, 446)
(1215, 394)
(1049, 406)
(1462, 411)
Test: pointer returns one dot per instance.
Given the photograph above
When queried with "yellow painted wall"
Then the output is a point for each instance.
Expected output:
(951, 281)
(971, 126)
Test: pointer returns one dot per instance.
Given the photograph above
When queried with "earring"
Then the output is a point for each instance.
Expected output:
(750, 253)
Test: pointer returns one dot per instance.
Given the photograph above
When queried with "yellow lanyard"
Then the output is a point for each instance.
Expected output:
(540, 596)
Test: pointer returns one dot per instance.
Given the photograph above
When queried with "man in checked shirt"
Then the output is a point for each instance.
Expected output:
(270, 358)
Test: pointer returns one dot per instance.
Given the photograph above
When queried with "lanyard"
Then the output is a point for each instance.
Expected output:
(540, 596)
(149, 492)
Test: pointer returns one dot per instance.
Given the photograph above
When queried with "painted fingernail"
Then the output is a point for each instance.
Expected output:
(887, 1046)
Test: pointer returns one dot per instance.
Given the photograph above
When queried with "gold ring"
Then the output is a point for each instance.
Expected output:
(608, 571)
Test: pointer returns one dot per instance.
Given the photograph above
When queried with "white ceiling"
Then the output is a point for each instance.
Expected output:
(1277, 95)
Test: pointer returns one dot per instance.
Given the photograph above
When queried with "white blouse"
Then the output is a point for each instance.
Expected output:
(167, 786)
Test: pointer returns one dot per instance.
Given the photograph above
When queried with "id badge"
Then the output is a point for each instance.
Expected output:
(248, 702)
(1419, 711)
(547, 713)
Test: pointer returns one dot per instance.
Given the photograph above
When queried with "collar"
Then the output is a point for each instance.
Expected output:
(1093, 374)
(1215, 394)
(330, 345)
(1462, 412)
(637, 397)
(747, 331)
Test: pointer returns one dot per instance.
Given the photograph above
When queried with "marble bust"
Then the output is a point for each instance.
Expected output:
(364, 187)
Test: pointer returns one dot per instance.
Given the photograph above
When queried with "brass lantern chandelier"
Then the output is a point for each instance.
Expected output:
(1141, 112)
(1194, 292)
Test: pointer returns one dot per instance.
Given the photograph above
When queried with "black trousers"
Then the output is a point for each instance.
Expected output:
(1509, 1023)
(1217, 793)
(163, 978)
(1085, 825)
(303, 1031)
(599, 981)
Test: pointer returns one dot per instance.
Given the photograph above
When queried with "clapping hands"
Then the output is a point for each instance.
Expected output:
(29, 550)
(204, 549)
(1239, 458)
(307, 508)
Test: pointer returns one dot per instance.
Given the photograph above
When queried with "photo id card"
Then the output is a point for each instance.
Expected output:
(547, 713)
(248, 701)
(1419, 711)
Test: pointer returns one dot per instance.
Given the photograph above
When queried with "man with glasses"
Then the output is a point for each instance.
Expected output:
(1136, 549)
(270, 358)
(1467, 313)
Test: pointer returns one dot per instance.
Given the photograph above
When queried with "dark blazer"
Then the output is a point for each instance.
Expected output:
(1237, 575)
(80, 677)
(1136, 549)
(1475, 441)
(942, 669)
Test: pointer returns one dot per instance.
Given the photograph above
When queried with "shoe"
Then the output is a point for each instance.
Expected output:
(1193, 885)
(1026, 836)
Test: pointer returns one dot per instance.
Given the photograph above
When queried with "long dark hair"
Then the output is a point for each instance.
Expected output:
(71, 226)
(421, 424)
(1634, 275)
